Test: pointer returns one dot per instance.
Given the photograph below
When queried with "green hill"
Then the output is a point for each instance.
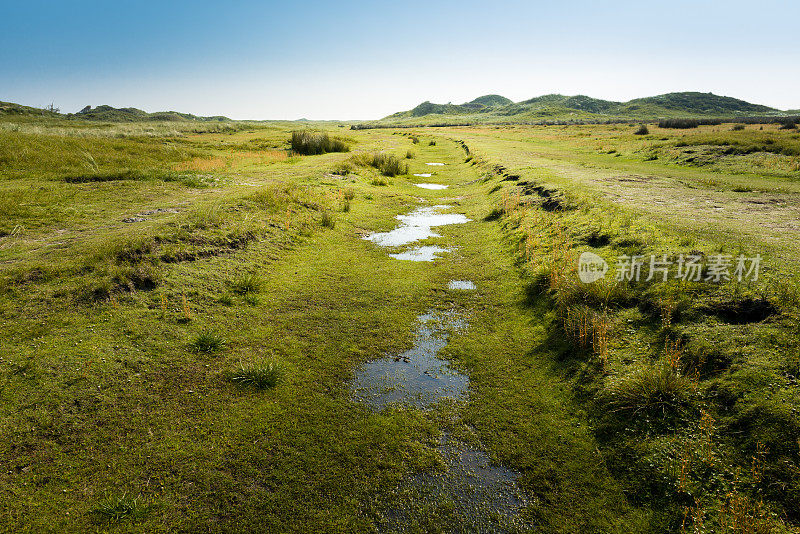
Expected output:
(9, 108)
(707, 103)
(491, 100)
(495, 109)
(112, 114)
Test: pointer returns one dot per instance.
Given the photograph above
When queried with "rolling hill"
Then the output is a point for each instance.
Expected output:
(111, 114)
(495, 109)
(104, 114)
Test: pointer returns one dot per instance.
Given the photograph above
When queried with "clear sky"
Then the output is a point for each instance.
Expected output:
(363, 60)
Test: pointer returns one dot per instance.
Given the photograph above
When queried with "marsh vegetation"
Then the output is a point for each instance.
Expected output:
(184, 312)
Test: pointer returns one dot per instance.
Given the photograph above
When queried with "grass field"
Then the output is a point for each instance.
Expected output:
(183, 307)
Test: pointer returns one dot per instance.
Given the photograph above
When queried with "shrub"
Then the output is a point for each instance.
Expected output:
(789, 124)
(309, 144)
(432, 143)
(679, 123)
(207, 342)
(265, 374)
(737, 128)
(642, 130)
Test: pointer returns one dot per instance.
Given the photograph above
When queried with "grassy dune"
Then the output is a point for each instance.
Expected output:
(182, 310)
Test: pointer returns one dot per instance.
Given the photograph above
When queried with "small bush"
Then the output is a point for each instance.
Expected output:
(264, 374)
(737, 128)
(789, 124)
(250, 283)
(328, 220)
(681, 124)
(349, 193)
(207, 342)
(642, 130)
(432, 143)
(309, 144)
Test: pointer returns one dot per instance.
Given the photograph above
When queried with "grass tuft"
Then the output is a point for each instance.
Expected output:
(657, 388)
(116, 508)
(249, 283)
(328, 220)
(207, 342)
(264, 374)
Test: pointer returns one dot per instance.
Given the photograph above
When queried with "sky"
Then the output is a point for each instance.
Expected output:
(351, 60)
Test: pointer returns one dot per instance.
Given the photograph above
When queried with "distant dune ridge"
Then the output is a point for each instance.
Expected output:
(107, 114)
(487, 109)
(498, 109)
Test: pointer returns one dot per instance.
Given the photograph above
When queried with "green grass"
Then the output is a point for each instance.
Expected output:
(119, 508)
(207, 342)
(117, 390)
(264, 374)
(249, 283)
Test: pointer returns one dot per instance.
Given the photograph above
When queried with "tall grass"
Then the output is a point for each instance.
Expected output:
(249, 283)
(310, 144)
(264, 374)
(387, 164)
(207, 342)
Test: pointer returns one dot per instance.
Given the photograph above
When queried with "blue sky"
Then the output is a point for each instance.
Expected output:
(364, 60)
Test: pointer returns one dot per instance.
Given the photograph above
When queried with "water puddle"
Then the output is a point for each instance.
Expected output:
(435, 164)
(465, 285)
(432, 186)
(417, 377)
(428, 253)
(416, 226)
(424, 175)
